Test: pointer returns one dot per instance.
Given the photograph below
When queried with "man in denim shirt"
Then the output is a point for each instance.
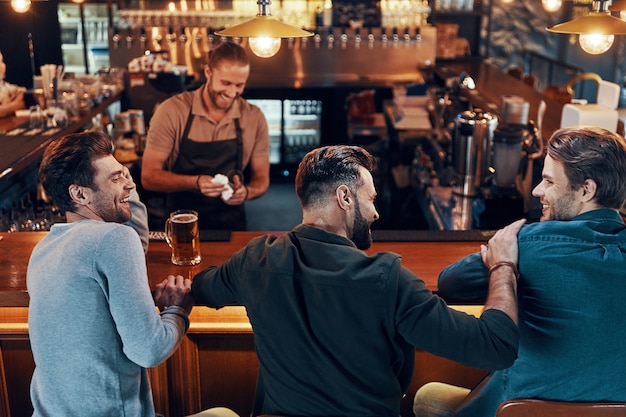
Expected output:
(571, 292)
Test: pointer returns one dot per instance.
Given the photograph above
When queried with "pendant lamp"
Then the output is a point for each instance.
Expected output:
(596, 31)
(264, 31)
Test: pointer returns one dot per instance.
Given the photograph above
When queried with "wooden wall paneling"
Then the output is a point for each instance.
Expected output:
(18, 371)
(4, 394)
(159, 382)
(228, 368)
(183, 366)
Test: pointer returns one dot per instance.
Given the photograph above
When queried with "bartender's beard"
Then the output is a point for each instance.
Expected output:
(361, 232)
(217, 99)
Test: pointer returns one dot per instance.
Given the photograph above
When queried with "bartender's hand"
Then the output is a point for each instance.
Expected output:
(503, 245)
(174, 291)
(209, 188)
(240, 192)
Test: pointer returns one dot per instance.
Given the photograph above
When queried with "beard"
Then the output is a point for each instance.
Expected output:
(216, 99)
(562, 208)
(361, 233)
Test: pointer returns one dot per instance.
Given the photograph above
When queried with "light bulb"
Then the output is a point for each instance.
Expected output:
(551, 5)
(622, 15)
(595, 43)
(20, 6)
(264, 46)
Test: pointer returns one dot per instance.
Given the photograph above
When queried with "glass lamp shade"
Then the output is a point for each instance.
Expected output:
(20, 6)
(265, 47)
(595, 44)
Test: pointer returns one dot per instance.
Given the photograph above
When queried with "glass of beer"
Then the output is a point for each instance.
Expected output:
(183, 235)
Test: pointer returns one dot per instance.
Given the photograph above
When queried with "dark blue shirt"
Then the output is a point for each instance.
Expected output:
(572, 312)
(336, 330)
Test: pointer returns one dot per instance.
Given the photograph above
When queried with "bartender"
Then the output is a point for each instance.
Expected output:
(11, 96)
(199, 138)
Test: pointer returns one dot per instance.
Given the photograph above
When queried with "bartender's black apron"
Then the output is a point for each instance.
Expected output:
(209, 158)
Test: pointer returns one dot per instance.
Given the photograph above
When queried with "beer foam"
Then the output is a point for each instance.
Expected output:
(184, 218)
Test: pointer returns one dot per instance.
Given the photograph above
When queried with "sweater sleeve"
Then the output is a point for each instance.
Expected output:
(147, 337)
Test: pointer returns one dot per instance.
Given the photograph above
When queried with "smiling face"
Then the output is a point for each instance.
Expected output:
(108, 200)
(559, 201)
(225, 83)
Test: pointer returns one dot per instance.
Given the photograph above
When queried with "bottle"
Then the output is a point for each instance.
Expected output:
(328, 13)
(319, 17)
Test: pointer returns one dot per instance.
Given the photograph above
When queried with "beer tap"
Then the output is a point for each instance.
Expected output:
(395, 36)
(344, 38)
(303, 42)
(210, 37)
(370, 37)
(183, 35)
(197, 38)
(129, 40)
(357, 37)
(331, 38)
(171, 37)
(318, 40)
(384, 36)
(143, 39)
(116, 38)
(407, 35)
(418, 35)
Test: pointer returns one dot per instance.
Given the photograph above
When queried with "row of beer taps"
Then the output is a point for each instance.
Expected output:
(329, 35)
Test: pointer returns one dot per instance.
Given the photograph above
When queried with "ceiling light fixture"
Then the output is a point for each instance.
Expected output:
(20, 6)
(596, 31)
(551, 5)
(264, 31)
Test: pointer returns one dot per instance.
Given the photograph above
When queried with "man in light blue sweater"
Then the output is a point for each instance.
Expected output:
(93, 325)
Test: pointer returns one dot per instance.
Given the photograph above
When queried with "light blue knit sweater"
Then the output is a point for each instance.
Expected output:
(93, 324)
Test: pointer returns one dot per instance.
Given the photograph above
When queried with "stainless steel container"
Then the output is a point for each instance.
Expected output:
(471, 150)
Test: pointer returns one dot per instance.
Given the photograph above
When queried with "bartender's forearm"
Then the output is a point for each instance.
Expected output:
(503, 291)
(256, 189)
(166, 181)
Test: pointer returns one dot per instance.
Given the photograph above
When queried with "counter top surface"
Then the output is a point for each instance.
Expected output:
(425, 258)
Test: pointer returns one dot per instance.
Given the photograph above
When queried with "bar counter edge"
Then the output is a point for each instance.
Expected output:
(216, 364)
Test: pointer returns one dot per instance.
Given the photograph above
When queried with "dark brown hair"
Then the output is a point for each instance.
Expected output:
(592, 153)
(322, 170)
(68, 160)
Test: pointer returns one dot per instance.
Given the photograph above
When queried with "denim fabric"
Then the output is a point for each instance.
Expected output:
(572, 312)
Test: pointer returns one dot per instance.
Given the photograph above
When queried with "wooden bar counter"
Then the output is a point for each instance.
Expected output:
(216, 364)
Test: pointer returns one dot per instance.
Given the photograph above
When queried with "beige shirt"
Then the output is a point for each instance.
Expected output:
(168, 124)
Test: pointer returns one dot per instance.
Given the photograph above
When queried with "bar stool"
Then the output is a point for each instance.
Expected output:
(544, 408)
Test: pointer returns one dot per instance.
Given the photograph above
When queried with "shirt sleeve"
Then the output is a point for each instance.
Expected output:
(465, 281)
(147, 337)
(489, 342)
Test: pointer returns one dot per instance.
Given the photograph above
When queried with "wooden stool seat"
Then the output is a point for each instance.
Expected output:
(544, 408)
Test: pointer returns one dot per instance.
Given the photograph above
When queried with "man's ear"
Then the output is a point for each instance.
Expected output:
(78, 194)
(589, 190)
(344, 197)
